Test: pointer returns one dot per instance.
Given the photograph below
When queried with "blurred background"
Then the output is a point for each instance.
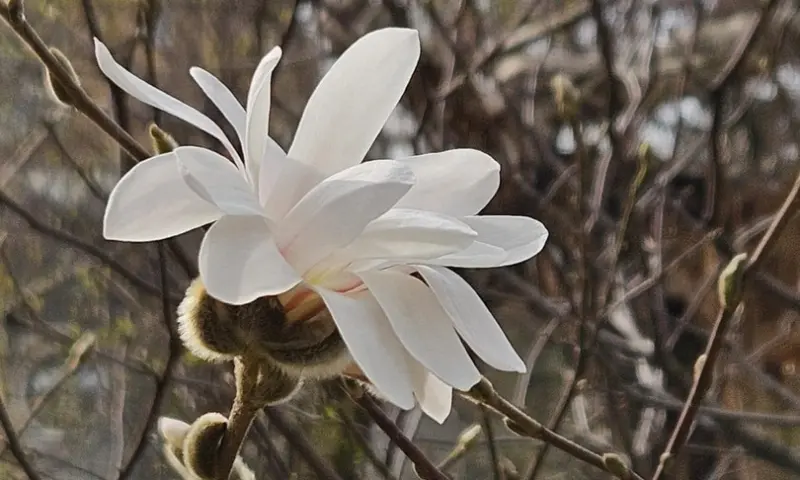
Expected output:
(655, 139)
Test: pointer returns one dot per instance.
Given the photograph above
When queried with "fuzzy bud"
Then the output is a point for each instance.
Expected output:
(729, 287)
(53, 86)
(162, 141)
(202, 443)
(616, 466)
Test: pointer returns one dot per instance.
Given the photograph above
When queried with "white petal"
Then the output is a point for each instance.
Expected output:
(355, 98)
(173, 431)
(520, 238)
(152, 202)
(217, 180)
(473, 321)
(402, 235)
(258, 107)
(284, 182)
(239, 261)
(372, 344)
(422, 326)
(222, 98)
(146, 93)
(456, 182)
(336, 211)
(434, 396)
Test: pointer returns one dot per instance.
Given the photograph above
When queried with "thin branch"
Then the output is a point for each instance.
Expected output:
(424, 467)
(14, 443)
(523, 424)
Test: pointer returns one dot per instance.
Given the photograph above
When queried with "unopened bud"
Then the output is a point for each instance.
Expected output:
(729, 287)
(566, 96)
(616, 466)
(54, 86)
(162, 141)
(201, 445)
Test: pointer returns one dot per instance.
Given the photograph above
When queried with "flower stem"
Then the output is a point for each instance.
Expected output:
(521, 423)
(243, 412)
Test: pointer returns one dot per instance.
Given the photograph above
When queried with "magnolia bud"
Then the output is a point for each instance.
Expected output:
(162, 141)
(206, 327)
(273, 386)
(202, 443)
(54, 87)
(173, 432)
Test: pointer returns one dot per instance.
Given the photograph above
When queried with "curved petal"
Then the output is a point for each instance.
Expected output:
(372, 344)
(456, 182)
(434, 396)
(152, 202)
(473, 321)
(401, 235)
(336, 210)
(239, 261)
(146, 93)
(355, 98)
(256, 140)
(222, 98)
(520, 238)
(284, 182)
(422, 326)
(217, 180)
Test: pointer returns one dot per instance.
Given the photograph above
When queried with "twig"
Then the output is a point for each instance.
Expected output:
(14, 443)
(426, 469)
(484, 393)
(494, 456)
(703, 376)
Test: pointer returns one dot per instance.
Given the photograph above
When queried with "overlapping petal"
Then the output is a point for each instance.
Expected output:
(372, 344)
(519, 238)
(240, 262)
(355, 98)
(473, 321)
(422, 326)
(455, 182)
(435, 397)
(152, 202)
(222, 98)
(257, 142)
(146, 93)
(215, 179)
(338, 209)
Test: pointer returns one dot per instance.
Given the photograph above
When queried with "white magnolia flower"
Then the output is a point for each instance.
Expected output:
(316, 225)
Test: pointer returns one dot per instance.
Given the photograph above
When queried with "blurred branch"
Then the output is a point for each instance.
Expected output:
(426, 469)
(14, 443)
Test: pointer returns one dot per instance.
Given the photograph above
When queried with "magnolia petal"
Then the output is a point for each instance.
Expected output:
(222, 98)
(146, 93)
(372, 344)
(434, 396)
(239, 261)
(518, 238)
(217, 180)
(401, 235)
(173, 431)
(473, 321)
(355, 98)
(422, 326)
(151, 202)
(284, 182)
(456, 182)
(257, 138)
(338, 209)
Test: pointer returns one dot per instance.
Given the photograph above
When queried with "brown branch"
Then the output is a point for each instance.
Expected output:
(706, 368)
(485, 394)
(14, 443)
(424, 467)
